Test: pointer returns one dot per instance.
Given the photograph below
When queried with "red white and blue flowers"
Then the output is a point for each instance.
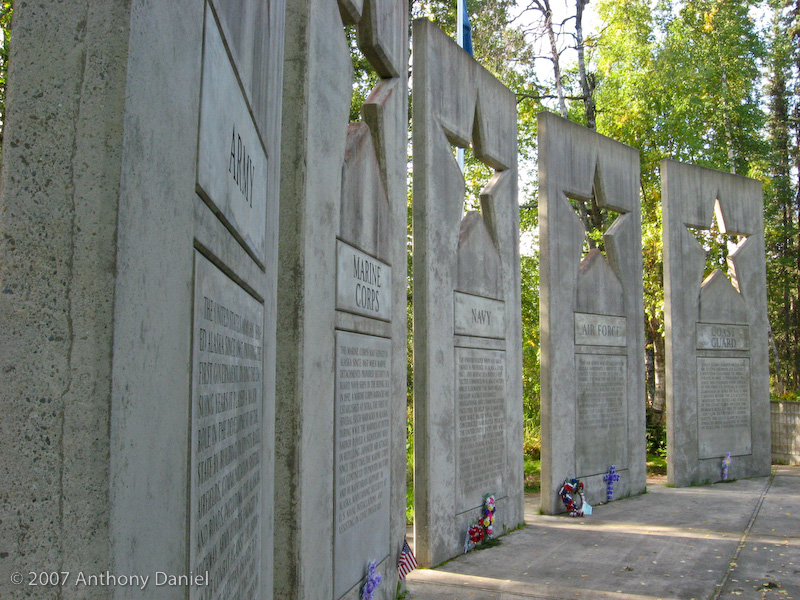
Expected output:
(726, 463)
(568, 490)
(483, 529)
(488, 516)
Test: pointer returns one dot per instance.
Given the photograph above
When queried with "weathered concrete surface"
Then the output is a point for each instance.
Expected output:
(101, 224)
(697, 438)
(458, 261)
(342, 186)
(599, 290)
(768, 564)
(668, 544)
(60, 180)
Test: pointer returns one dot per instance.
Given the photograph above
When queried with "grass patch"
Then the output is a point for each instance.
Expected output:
(532, 453)
(490, 543)
(656, 464)
(517, 528)
(533, 474)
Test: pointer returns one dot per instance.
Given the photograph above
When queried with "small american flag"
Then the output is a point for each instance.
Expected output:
(407, 562)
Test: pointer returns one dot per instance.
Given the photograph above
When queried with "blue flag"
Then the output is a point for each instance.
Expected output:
(467, 28)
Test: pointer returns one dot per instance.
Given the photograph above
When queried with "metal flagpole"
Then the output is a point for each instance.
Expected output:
(460, 41)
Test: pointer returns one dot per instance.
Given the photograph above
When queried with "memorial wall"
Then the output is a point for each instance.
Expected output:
(467, 323)
(182, 417)
(590, 314)
(716, 334)
(341, 418)
(159, 458)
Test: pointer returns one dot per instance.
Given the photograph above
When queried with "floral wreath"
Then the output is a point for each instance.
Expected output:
(570, 487)
(483, 529)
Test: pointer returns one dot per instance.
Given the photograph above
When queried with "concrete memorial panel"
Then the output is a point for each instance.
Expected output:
(467, 324)
(600, 330)
(340, 465)
(591, 315)
(716, 335)
(150, 345)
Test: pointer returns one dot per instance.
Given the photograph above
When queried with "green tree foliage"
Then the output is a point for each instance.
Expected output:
(679, 80)
(364, 76)
(782, 194)
(530, 348)
(711, 57)
(629, 99)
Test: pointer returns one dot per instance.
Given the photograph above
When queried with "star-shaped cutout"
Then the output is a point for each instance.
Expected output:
(720, 246)
(476, 178)
(595, 216)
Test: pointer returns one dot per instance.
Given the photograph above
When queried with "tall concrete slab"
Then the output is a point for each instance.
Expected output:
(716, 329)
(139, 218)
(340, 427)
(591, 307)
(467, 323)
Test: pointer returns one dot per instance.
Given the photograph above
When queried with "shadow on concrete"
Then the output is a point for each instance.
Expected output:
(739, 539)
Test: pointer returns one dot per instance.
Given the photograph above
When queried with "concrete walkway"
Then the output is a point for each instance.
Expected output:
(727, 540)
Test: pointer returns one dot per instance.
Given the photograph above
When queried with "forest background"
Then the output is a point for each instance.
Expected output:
(711, 82)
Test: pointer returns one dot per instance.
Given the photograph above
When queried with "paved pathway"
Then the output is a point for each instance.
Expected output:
(714, 542)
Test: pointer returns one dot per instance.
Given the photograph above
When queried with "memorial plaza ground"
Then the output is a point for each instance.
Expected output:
(738, 539)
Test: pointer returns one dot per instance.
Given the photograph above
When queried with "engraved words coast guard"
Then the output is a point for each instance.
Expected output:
(716, 336)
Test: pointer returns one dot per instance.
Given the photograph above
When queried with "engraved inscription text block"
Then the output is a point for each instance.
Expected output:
(231, 161)
(723, 411)
(480, 425)
(716, 336)
(363, 283)
(361, 479)
(602, 411)
(226, 436)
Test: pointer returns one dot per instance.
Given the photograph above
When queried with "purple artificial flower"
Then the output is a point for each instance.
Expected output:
(373, 581)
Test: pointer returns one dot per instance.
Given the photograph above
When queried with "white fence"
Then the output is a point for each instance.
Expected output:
(785, 432)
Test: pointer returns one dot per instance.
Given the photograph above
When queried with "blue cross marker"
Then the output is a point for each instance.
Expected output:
(610, 478)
